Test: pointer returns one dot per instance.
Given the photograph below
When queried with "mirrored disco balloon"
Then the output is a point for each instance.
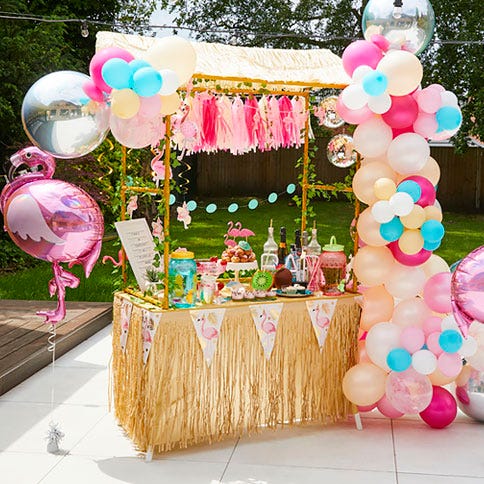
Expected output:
(340, 151)
(409, 26)
(470, 398)
(327, 114)
(60, 119)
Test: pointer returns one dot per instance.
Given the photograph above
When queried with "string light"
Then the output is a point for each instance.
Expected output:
(232, 33)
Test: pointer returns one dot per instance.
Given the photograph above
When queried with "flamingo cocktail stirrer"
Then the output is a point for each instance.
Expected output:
(51, 220)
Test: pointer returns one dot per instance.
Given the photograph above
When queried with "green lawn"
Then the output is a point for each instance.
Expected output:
(205, 237)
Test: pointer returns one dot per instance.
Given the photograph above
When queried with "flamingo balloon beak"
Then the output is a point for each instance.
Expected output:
(15, 162)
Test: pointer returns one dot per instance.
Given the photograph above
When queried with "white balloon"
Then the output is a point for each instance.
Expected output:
(382, 212)
(424, 362)
(354, 97)
(401, 203)
(380, 340)
(360, 72)
(449, 99)
(408, 153)
(170, 82)
(380, 104)
(449, 322)
(469, 347)
(372, 138)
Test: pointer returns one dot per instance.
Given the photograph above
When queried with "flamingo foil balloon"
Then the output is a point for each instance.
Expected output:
(51, 220)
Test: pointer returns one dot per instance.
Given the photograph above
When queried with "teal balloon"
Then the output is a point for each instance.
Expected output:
(137, 64)
(412, 188)
(172, 199)
(448, 118)
(272, 197)
(253, 204)
(392, 230)
(291, 188)
(192, 205)
(146, 82)
(211, 208)
(374, 83)
(431, 245)
(450, 341)
(233, 207)
(116, 73)
(432, 231)
(399, 359)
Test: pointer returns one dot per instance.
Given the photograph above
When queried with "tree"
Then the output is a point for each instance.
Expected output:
(334, 24)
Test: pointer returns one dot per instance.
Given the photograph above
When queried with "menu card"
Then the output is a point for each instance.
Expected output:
(139, 246)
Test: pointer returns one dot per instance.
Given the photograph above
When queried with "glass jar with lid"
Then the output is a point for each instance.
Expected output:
(183, 279)
(333, 265)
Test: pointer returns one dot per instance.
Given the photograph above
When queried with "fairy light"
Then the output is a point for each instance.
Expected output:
(397, 9)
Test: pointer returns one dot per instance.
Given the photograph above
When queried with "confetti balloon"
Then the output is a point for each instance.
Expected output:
(341, 151)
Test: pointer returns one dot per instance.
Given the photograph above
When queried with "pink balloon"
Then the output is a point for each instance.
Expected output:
(402, 113)
(138, 132)
(93, 91)
(439, 87)
(398, 131)
(450, 364)
(467, 290)
(387, 409)
(53, 221)
(412, 339)
(380, 42)
(361, 53)
(437, 292)
(149, 106)
(409, 260)
(428, 191)
(429, 100)
(442, 409)
(432, 325)
(366, 408)
(433, 343)
(353, 116)
(425, 125)
(408, 391)
(100, 58)
(410, 312)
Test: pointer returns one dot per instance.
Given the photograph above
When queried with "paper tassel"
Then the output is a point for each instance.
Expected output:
(321, 312)
(126, 308)
(266, 318)
(150, 323)
(207, 324)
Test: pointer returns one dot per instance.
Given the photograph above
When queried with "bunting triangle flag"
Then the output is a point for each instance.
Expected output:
(207, 324)
(266, 318)
(150, 322)
(126, 308)
(321, 312)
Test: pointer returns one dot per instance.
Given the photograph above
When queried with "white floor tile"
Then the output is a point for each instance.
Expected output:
(216, 452)
(23, 468)
(404, 478)
(96, 350)
(334, 446)
(253, 474)
(454, 451)
(82, 470)
(23, 426)
(75, 386)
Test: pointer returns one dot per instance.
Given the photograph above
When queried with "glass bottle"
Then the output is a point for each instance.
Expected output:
(270, 246)
(269, 259)
(314, 248)
(297, 241)
(183, 270)
(304, 241)
(282, 249)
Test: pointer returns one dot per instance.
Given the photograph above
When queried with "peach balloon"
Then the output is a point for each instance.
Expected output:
(415, 218)
(405, 281)
(125, 103)
(434, 265)
(411, 312)
(369, 229)
(170, 104)
(365, 178)
(411, 242)
(431, 171)
(380, 340)
(384, 188)
(439, 379)
(433, 212)
(378, 306)
(373, 265)
(364, 384)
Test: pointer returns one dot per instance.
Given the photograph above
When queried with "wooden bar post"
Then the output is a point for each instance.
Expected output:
(304, 200)
(357, 214)
(166, 221)
(123, 211)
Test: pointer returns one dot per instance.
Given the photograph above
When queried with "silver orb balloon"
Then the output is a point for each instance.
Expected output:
(327, 114)
(340, 151)
(470, 397)
(408, 24)
(59, 118)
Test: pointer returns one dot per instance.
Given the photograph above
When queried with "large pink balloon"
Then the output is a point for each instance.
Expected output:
(360, 53)
(437, 292)
(52, 220)
(402, 113)
(353, 116)
(442, 409)
(467, 289)
(387, 409)
(138, 131)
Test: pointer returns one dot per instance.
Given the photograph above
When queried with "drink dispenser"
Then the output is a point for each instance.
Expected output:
(333, 264)
(183, 274)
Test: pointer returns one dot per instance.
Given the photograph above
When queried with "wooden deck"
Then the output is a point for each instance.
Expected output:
(23, 335)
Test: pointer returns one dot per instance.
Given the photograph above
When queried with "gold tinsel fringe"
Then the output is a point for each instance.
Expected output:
(176, 400)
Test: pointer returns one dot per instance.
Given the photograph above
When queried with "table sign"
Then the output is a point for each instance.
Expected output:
(138, 243)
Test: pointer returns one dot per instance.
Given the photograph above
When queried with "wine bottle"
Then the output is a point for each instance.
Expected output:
(282, 249)
(297, 241)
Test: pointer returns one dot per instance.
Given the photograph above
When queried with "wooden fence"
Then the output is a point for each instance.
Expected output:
(461, 186)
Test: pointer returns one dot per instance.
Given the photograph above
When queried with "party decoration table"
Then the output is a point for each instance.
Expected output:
(179, 397)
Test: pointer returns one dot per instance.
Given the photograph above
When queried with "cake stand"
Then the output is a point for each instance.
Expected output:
(241, 266)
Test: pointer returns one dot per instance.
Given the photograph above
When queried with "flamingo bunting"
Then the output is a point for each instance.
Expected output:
(207, 324)
(266, 318)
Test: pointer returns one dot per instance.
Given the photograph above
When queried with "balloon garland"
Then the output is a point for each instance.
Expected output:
(410, 342)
